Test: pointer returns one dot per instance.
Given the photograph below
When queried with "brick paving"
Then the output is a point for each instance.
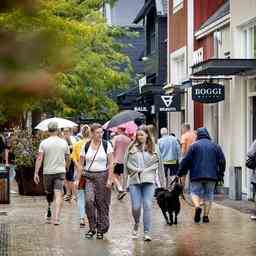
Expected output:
(24, 233)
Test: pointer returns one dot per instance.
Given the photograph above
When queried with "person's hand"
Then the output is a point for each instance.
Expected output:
(109, 183)
(140, 170)
(36, 178)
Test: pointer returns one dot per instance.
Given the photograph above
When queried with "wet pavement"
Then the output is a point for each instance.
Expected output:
(23, 233)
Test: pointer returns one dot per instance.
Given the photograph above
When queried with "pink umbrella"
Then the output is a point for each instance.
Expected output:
(130, 127)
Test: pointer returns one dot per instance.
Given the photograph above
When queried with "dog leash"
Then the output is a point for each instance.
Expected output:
(186, 201)
(178, 179)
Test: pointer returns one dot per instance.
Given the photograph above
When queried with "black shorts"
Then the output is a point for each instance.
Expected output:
(53, 182)
(119, 169)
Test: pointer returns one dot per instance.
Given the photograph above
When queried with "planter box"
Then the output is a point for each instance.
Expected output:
(26, 184)
(18, 178)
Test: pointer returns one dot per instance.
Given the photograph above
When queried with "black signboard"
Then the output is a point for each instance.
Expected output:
(208, 93)
(168, 103)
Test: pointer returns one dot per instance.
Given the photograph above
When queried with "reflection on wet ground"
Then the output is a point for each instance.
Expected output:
(23, 233)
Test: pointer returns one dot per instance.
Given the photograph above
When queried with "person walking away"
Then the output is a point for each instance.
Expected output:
(2, 147)
(188, 137)
(120, 145)
(97, 156)
(251, 164)
(70, 174)
(170, 153)
(206, 163)
(55, 155)
(142, 166)
(80, 180)
(153, 132)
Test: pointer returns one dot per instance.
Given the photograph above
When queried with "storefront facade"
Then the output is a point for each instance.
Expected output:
(232, 122)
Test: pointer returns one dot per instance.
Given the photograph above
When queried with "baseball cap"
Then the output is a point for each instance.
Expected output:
(53, 126)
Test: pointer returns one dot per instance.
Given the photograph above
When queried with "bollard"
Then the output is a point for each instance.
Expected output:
(235, 176)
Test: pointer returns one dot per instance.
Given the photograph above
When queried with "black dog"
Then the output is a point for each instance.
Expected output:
(169, 202)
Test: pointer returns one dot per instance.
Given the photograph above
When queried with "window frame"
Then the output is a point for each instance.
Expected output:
(249, 42)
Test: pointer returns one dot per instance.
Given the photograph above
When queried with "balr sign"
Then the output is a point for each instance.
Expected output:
(208, 93)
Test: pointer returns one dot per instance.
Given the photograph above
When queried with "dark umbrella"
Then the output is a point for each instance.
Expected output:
(124, 117)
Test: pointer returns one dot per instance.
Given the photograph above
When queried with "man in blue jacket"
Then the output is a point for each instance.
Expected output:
(170, 152)
(206, 164)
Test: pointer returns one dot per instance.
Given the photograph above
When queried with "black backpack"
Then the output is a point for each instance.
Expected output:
(104, 143)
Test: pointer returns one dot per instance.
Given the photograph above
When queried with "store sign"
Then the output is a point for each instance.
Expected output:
(198, 56)
(141, 109)
(142, 82)
(168, 103)
(208, 93)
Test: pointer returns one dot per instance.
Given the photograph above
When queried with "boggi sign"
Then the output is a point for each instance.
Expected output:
(208, 93)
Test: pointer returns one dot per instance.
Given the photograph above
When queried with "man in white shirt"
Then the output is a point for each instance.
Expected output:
(54, 154)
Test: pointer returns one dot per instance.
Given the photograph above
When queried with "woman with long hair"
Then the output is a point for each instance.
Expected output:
(97, 159)
(142, 167)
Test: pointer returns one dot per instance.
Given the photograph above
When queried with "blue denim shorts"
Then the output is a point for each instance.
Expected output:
(203, 189)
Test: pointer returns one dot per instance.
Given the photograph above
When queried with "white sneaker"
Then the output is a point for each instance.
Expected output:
(48, 220)
(253, 217)
(135, 232)
(147, 238)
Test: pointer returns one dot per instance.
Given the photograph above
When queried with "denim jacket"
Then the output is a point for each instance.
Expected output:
(152, 172)
(169, 148)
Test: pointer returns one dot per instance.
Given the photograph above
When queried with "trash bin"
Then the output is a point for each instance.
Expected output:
(4, 185)
(235, 192)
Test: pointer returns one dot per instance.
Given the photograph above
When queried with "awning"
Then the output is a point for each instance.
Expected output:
(225, 67)
(144, 11)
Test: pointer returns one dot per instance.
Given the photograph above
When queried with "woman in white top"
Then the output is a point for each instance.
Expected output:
(97, 158)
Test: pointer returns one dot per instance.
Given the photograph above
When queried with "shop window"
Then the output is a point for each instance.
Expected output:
(179, 67)
(249, 42)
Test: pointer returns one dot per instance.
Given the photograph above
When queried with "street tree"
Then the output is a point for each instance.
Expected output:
(59, 56)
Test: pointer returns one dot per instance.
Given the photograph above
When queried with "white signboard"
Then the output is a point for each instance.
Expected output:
(142, 82)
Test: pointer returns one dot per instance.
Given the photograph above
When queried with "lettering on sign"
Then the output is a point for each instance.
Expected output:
(198, 56)
(141, 109)
(167, 100)
(168, 103)
(208, 93)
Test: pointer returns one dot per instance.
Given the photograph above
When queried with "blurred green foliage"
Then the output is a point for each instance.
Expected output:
(59, 56)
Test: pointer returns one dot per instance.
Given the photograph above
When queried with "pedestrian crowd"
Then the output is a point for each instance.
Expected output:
(86, 165)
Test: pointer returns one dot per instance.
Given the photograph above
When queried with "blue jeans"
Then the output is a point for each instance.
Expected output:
(142, 194)
(203, 189)
(81, 202)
